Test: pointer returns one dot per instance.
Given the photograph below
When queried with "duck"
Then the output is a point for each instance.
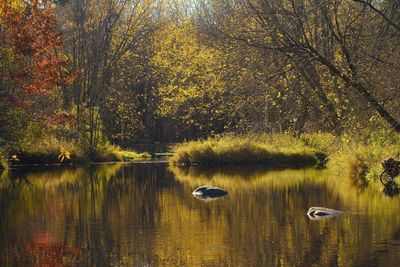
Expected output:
(208, 191)
(321, 212)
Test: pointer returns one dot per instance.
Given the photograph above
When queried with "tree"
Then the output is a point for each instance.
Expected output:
(329, 40)
(31, 68)
(190, 79)
(98, 36)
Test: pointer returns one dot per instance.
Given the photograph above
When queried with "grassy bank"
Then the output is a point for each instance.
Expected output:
(52, 151)
(361, 160)
(268, 149)
(132, 155)
(357, 158)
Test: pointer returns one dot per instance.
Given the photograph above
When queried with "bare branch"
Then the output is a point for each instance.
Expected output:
(369, 4)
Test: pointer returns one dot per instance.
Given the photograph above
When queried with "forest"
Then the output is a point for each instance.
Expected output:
(199, 132)
(86, 77)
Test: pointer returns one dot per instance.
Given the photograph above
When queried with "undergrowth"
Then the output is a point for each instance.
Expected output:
(268, 149)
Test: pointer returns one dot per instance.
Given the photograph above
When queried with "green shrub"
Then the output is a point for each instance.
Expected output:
(132, 155)
(111, 153)
(106, 153)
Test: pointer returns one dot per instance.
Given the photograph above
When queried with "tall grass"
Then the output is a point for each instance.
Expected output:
(3, 162)
(362, 161)
(47, 151)
(54, 151)
(275, 150)
(358, 158)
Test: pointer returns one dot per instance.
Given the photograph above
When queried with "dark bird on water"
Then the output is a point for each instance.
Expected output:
(209, 191)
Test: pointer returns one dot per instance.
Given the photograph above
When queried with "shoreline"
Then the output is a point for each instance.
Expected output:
(49, 165)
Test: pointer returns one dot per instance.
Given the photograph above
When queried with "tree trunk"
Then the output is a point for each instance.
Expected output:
(378, 107)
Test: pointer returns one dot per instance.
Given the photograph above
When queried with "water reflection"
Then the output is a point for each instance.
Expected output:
(207, 198)
(136, 215)
(321, 213)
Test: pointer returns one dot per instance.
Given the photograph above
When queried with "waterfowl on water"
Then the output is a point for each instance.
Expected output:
(209, 191)
(321, 212)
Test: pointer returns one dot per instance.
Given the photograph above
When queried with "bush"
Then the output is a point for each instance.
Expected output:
(47, 151)
(358, 172)
(3, 160)
(361, 159)
(132, 155)
(106, 153)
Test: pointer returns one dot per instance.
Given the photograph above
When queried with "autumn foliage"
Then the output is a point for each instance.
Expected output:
(29, 32)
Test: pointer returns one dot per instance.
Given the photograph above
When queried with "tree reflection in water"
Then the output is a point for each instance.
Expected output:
(135, 215)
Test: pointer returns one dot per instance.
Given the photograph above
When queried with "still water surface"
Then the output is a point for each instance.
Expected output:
(145, 215)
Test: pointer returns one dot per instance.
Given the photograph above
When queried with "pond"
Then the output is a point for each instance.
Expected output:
(145, 215)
